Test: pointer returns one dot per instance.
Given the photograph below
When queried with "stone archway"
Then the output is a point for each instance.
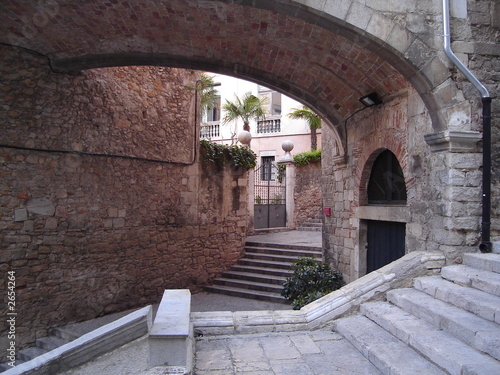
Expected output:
(326, 54)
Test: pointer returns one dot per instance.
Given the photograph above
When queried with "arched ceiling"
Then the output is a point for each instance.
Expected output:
(314, 58)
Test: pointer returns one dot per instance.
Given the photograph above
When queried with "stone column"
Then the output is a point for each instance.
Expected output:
(287, 160)
(456, 165)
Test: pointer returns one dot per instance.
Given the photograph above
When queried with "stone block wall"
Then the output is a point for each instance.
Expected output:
(443, 186)
(307, 193)
(478, 46)
(132, 213)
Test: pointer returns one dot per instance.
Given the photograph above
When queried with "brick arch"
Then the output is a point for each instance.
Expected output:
(322, 55)
(364, 177)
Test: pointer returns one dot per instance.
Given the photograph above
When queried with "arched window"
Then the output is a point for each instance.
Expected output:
(387, 184)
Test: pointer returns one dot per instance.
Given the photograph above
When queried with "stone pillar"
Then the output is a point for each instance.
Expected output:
(456, 168)
(290, 191)
(287, 161)
(251, 199)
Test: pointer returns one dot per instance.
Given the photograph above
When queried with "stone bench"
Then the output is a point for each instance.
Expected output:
(171, 341)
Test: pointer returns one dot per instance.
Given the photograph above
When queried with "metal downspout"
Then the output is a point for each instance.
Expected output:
(486, 244)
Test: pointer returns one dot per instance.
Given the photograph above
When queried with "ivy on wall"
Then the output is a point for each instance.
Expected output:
(308, 157)
(222, 154)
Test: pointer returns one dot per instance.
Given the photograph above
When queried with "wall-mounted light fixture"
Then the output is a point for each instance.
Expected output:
(370, 99)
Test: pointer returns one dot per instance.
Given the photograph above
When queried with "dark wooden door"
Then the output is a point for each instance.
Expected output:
(386, 243)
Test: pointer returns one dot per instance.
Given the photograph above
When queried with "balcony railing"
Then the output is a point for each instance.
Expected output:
(210, 130)
(269, 126)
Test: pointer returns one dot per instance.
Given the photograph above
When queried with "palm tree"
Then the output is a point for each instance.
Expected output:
(246, 109)
(208, 93)
(312, 119)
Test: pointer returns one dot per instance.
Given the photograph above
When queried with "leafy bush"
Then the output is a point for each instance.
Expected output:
(310, 280)
(308, 157)
(222, 154)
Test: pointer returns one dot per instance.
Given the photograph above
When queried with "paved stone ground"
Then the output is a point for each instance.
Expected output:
(301, 353)
(294, 353)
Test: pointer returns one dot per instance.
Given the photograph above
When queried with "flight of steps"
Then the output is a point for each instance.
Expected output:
(315, 225)
(447, 324)
(60, 336)
(260, 274)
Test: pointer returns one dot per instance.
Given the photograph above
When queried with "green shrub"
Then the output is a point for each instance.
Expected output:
(221, 154)
(310, 280)
(308, 157)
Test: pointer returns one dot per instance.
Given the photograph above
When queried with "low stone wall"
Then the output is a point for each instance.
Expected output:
(88, 223)
(307, 193)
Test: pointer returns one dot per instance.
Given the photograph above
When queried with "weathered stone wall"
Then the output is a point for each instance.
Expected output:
(90, 234)
(443, 170)
(443, 188)
(307, 193)
(476, 43)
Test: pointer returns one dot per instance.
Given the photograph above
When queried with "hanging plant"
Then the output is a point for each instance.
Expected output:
(222, 154)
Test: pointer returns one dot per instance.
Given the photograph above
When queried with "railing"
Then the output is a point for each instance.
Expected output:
(269, 126)
(210, 130)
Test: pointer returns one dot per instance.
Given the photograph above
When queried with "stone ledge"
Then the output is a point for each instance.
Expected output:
(454, 141)
(496, 247)
(399, 273)
(88, 346)
(171, 340)
(385, 213)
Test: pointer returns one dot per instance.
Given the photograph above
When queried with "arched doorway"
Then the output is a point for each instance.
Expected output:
(385, 239)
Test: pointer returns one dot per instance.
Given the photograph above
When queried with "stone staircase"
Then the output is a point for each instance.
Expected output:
(314, 225)
(261, 272)
(43, 345)
(447, 324)
(60, 336)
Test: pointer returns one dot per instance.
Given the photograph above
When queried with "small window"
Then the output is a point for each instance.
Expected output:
(267, 172)
(387, 183)
(213, 112)
(273, 105)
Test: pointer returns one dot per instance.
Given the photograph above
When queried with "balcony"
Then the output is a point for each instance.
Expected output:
(269, 126)
(210, 130)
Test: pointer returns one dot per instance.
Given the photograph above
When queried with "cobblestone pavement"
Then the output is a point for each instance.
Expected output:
(297, 353)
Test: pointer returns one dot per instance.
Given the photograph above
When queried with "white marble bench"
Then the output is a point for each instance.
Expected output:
(171, 341)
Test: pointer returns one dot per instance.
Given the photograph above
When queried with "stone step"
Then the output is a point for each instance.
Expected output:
(496, 247)
(30, 353)
(285, 252)
(386, 352)
(472, 300)
(5, 366)
(272, 257)
(64, 333)
(262, 270)
(247, 293)
(283, 246)
(254, 276)
(475, 331)
(441, 348)
(310, 229)
(312, 224)
(317, 220)
(488, 262)
(245, 284)
(264, 263)
(50, 343)
(486, 281)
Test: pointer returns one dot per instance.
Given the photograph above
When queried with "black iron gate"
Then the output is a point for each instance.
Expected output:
(270, 196)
